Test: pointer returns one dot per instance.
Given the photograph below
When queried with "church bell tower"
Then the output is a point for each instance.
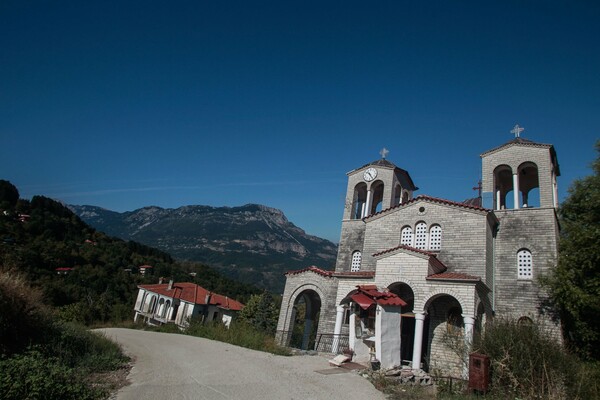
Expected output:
(373, 187)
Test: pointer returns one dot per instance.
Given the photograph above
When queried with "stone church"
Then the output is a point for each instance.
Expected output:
(413, 272)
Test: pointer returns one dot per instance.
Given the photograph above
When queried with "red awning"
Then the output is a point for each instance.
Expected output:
(362, 300)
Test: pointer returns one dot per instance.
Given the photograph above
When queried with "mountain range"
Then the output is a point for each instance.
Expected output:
(251, 243)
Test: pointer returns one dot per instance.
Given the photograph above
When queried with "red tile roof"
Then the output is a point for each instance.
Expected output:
(405, 247)
(193, 293)
(325, 273)
(367, 295)
(454, 276)
(64, 269)
(312, 268)
(146, 266)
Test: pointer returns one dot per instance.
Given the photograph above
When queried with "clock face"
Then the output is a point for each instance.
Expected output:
(370, 174)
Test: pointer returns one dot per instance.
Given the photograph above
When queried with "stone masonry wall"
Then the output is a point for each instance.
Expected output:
(464, 234)
(535, 229)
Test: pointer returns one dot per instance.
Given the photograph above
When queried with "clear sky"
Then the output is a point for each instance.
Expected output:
(124, 104)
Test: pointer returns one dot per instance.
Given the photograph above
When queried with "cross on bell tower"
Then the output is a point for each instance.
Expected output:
(384, 152)
(517, 130)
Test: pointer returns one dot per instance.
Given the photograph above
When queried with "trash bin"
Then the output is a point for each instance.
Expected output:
(479, 372)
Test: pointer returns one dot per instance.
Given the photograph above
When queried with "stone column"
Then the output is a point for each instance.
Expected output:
(337, 331)
(498, 200)
(418, 341)
(368, 202)
(469, 323)
(516, 190)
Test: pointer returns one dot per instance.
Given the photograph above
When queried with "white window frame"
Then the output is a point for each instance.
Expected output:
(406, 236)
(421, 235)
(435, 237)
(524, 264)
(356, 261)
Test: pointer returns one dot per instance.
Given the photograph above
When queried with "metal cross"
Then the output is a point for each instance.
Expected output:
(478, 188)
(517, 130)
(384, 152)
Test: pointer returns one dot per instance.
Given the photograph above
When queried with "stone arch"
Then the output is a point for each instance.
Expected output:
(426, 302)
(444, 324)
(503, 185)
(312, 296)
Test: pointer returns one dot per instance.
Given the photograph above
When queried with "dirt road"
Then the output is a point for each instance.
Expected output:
(170, 366)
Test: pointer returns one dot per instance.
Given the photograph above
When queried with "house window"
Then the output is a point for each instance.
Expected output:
(524, 264)
(356, 259)
(406, 236)
(421, 235)
(435, 237)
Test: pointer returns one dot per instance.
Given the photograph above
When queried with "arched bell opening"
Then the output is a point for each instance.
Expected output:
(529, 184)
(359, 201)
(407, 321)
(503, 186)
(377, 195)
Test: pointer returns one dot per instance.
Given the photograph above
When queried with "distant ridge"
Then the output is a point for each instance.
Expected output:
(252, 243)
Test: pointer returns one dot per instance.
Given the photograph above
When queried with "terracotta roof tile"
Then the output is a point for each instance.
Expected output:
(312, 268)
(405, 247)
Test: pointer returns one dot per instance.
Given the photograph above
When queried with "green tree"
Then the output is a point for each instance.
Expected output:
(9, 195)
(574, 285)
(261, 312)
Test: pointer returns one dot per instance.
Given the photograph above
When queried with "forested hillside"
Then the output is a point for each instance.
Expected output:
(102, 272)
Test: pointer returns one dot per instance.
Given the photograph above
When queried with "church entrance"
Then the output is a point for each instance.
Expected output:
(407, 322)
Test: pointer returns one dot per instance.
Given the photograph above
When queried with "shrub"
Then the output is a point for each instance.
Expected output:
(527, 361)
(32, 375)
(23, 319)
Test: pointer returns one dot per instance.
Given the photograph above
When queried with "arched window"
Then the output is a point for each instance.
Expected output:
(356, 259)
(166, 309)
(524, 264)
(406, 237)
(152, 306)
(421, 235)
(525, 321)
(435, 237)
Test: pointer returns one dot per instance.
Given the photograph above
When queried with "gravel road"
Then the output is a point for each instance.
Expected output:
(170, 366)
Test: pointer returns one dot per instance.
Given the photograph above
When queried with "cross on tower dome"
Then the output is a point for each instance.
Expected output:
(517, 130)
(384, 152)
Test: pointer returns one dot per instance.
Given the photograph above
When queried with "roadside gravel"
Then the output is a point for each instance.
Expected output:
(171, 366)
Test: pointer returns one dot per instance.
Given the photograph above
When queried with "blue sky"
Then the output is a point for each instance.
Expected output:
(125, 104)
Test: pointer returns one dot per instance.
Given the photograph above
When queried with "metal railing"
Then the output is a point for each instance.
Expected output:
(331, 343)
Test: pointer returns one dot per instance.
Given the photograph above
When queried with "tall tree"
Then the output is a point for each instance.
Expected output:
(575, 283)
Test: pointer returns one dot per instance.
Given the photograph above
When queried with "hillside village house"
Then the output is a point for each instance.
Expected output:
(178, 303)
(453, 265)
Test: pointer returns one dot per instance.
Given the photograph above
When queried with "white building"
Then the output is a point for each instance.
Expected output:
(178, 303)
